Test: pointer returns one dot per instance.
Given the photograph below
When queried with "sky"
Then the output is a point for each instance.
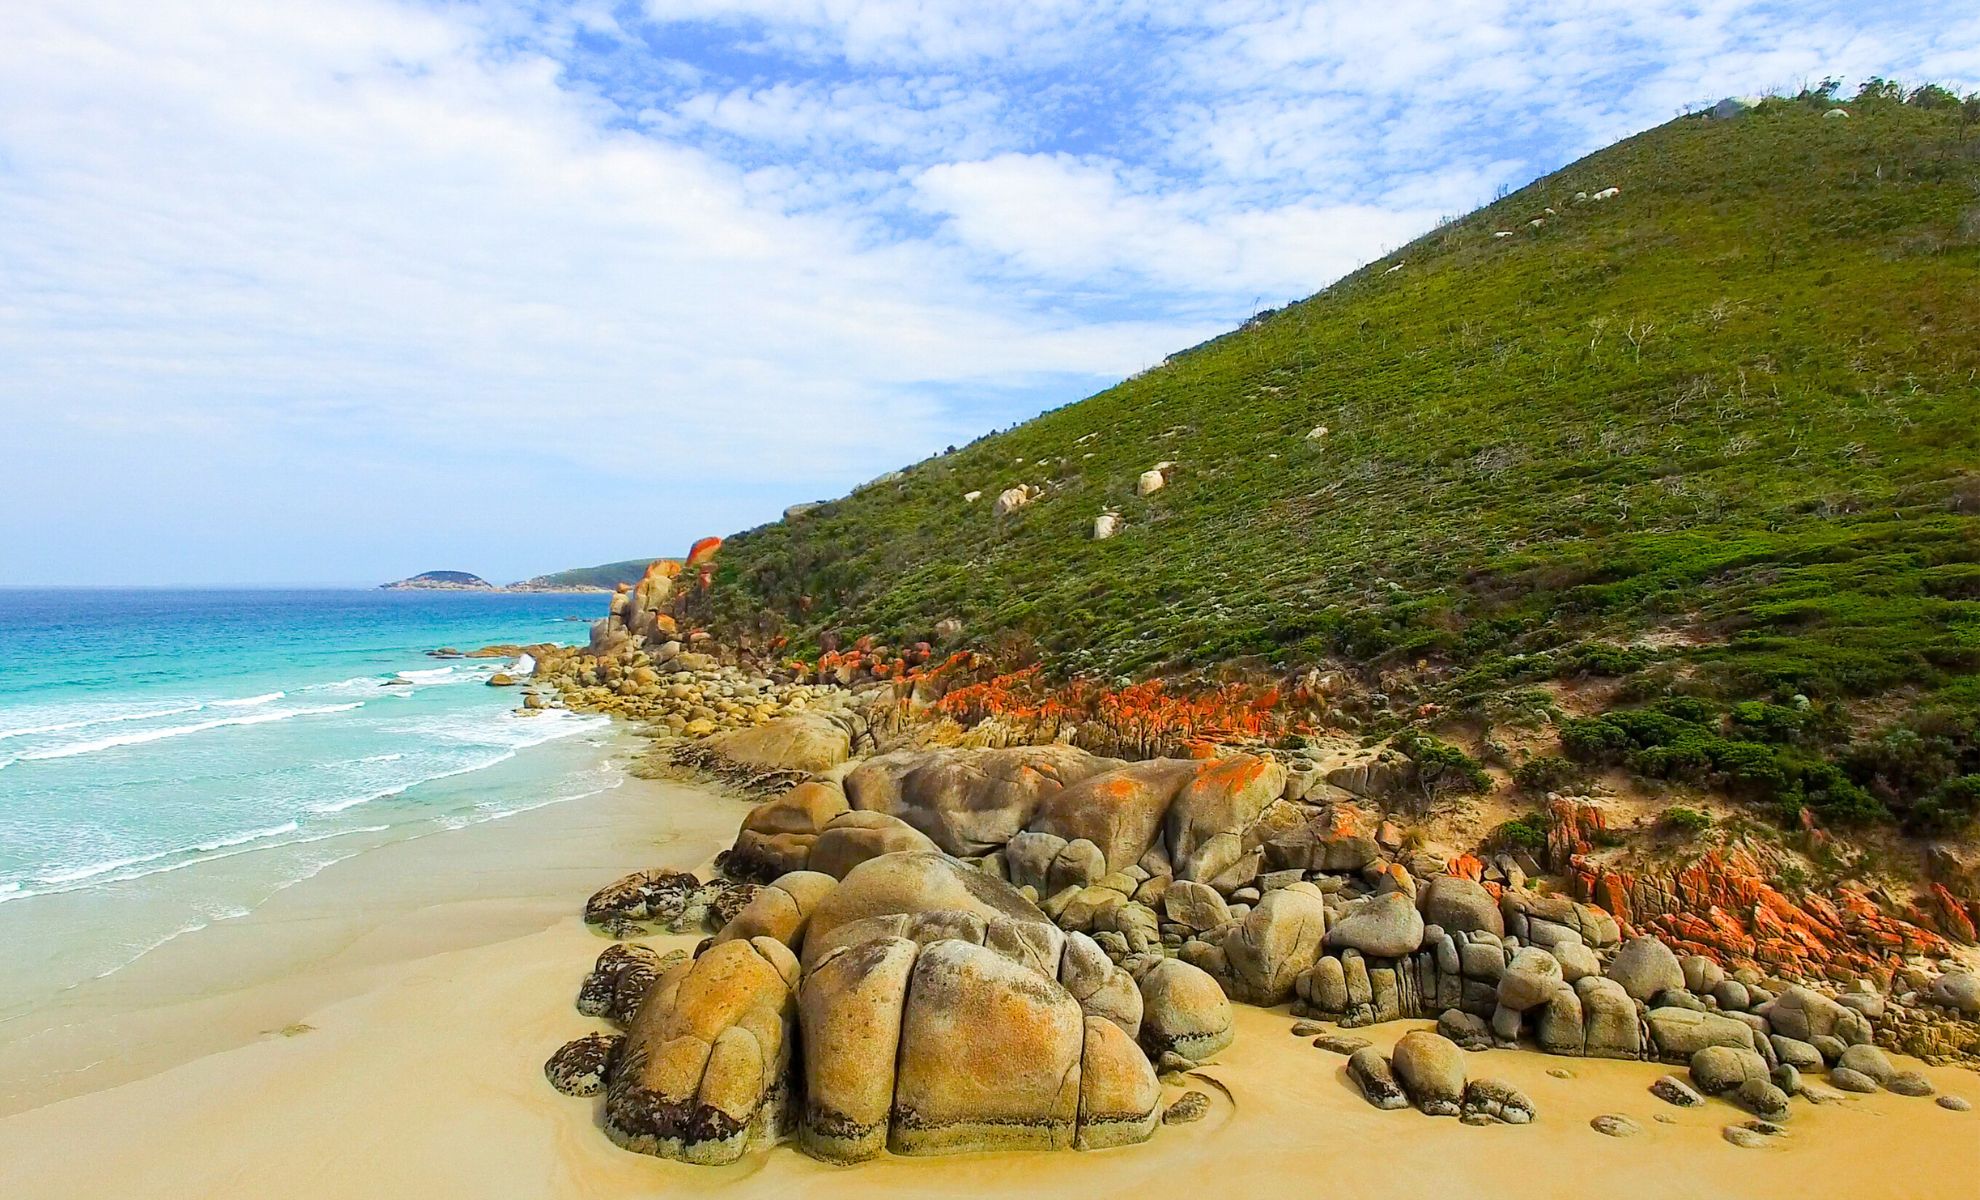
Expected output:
(336, 291)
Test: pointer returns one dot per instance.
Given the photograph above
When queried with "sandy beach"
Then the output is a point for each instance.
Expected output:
(381, 1031)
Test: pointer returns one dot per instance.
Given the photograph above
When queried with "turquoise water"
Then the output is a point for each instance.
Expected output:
(194, 751)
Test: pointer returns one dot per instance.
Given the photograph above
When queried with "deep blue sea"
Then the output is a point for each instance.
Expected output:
(144, 733)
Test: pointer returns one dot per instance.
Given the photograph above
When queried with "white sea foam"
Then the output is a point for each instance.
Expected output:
(92, 870)
(549, 726)
(427, 675)
(67, 726)
(165, 862)
(251, 701)
(153, 735)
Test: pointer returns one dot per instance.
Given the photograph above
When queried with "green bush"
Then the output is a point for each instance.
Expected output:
(1546, 773)
(1440, 766)
(1684, 820)
(1521, 833)
(1950, 808)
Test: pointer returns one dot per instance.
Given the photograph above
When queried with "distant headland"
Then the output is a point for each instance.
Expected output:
(604, 578)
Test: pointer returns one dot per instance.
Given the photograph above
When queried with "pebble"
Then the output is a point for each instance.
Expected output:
(1190, 1107)
(1560, 1072)
(1909, 1083)
(1672, 1090)
(1308, 1028)
(1615, 1125)
(1341, 1043)
(1956, 1103)
(1743, 1137)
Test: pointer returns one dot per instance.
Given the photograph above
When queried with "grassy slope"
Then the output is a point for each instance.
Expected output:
(607, 576)
(1740, 402)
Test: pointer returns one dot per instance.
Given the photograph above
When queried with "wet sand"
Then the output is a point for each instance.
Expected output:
(408, 1061)
(349, 929)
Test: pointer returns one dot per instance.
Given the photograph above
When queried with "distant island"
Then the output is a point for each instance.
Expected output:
(442, 581)
(604, 578)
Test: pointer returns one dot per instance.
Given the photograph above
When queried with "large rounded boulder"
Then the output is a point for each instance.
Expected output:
(1206, 821)
(1276, 942)
(852, 838)
(1646, 967)
(1431, 1071)
(968, 802)
(1183, 1010)
(1120, 811)
(1384, 926)
(934, 1010)
(777, 835)
(1459, 905)
(989, 1056)
(701, 1075)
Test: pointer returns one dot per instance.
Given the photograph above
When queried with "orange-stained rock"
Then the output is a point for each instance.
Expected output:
(703, 550)
(1467, 866)
(1724, 907)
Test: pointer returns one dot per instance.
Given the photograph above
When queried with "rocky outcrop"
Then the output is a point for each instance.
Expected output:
(937, 1012)
(969, 802)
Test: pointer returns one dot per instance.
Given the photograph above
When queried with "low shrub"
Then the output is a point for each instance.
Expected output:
(1546, 773)
(1680, 819)
(1528, 832)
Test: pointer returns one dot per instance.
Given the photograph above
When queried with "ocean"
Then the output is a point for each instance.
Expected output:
(170, 759)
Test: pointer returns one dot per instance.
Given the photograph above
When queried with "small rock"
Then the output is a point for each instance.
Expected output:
(1716, 1070)
(1310, 1029)
(1909, 1083)
(1956, 1103)
(1190, 1107)
(1468, 1030)
(1868, 1060)
(1852, 1081)
(1370, 1072)
(1341, 1043)
(578, 1067)
(1761, 1097)
(1560, 1072)
(1672, 1090)
(1496, 1100)
(1615, 1125)
(1744, 1138)
(1431, 1069)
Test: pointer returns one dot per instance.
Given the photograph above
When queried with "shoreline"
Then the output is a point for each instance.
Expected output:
(391, 1040)
(428, 1082)
(334, 934)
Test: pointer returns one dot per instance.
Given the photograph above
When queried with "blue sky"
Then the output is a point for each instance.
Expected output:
(341, 290)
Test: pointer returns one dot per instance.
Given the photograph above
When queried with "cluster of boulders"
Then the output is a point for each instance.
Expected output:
(686, 692)
(1427, 1071)
(918, 1005)
(894, 931)
(661, 899)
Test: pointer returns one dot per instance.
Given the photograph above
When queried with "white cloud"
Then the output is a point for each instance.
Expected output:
(636, 274)
(1071, 220)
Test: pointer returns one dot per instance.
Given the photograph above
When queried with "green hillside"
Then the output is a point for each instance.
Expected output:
(610, 575)
(1718, 436)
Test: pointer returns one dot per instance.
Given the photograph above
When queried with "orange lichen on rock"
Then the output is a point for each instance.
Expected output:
(1143, 720)
(1572, 829)
(1722, 906)
(1467, 866)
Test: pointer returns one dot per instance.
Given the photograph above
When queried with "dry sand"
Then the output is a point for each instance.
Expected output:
(420, 1074)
